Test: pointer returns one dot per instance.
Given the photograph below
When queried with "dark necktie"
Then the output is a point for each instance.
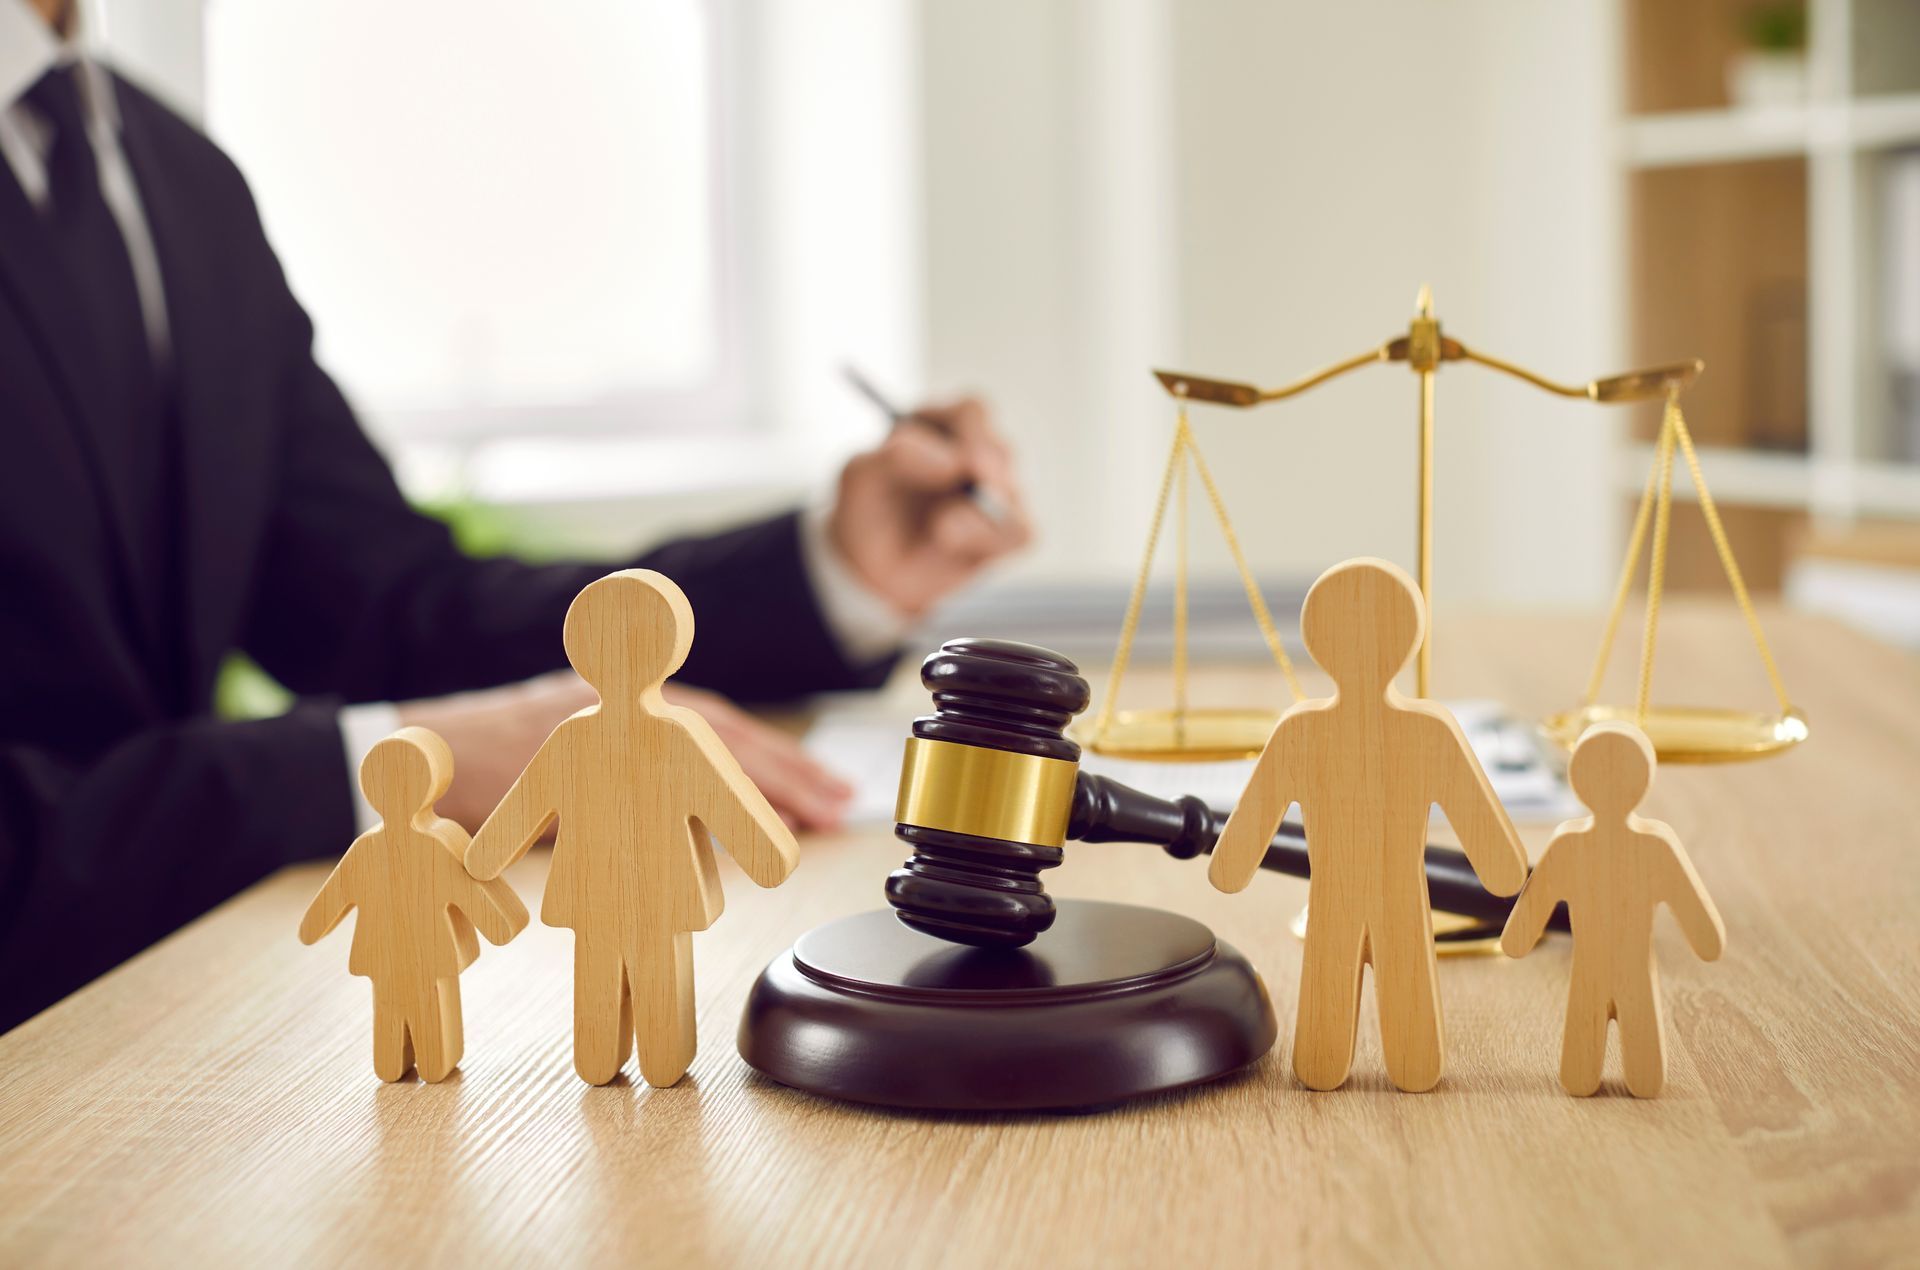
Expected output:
(93, 254)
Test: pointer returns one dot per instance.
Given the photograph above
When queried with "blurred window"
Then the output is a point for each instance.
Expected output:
(505, 218)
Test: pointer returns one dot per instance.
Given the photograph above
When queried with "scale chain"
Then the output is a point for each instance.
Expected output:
(1732, 568)
(1635, 541)
(1657, 567)
(1186, 445)
(1656, 507)
(1180, 611)
(1261, 615)
(1131, 623)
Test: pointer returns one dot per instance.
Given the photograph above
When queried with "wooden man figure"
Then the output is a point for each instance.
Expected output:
(1612, 870)
(637, 786)
(418, 907)
(1366, 766)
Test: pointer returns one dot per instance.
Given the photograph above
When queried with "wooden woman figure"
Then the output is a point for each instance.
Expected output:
(1366, 766)
(1612, 870)
(637, 787)
(418, 907)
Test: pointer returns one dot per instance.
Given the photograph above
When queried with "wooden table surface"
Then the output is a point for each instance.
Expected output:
(213, 1103)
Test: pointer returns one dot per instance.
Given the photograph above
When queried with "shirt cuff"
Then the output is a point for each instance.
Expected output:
(864, 625)
(361, 728)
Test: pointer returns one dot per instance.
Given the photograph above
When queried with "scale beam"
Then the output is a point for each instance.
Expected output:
(1647, 384)
(1225, 392)
(1635, 385)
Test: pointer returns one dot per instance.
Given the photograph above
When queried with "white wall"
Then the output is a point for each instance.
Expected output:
(1321, 161)
(1051, 249)
(1063, 194)
(158, 41)
(833, 189)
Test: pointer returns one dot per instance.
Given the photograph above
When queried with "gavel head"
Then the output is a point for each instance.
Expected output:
(986, 789)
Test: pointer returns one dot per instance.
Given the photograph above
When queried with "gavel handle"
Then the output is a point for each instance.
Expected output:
(1106, 811)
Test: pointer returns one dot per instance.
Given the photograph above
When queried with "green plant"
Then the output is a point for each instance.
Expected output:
(1777, 28)
(244, 691)
(479, 529)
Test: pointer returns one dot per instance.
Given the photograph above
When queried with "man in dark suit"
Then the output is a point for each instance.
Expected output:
(179, 479)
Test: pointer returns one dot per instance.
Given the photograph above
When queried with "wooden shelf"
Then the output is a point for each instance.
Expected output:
(1754, 478)
(1753, 243)
(1719, 271)
(1885, 121)
(1747, 477)
(1714, 136)
(1885, 489)
(1684, 137)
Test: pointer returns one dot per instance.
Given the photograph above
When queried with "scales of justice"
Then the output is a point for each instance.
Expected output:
(1680, 734)
(976, 991)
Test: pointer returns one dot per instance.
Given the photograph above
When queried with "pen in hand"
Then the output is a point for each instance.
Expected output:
(990, 505)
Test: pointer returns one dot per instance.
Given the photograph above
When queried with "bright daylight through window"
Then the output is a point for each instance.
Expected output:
(502, 217)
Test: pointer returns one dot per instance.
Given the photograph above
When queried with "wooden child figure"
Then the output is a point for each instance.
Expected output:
(1612, 870)
(418, 907)
(1366, 766)
(637, 786)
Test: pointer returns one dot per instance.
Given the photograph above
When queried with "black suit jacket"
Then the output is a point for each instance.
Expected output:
(125, 807)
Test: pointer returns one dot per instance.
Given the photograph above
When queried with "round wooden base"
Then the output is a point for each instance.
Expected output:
(1113, 1002)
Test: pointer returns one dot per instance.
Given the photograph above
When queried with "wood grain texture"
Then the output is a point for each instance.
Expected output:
(418, 907)
(634, 789)
(209, 1102)
(1366, 765)
(1718, 270)
(1612, 870)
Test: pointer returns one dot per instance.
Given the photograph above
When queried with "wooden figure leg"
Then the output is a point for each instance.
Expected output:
(602, 1013)
(1329, 1018)
(1406, 986)
(392, 1047)
(1583, 1048)
(662, 974)
(452, 1021)
(435, 1025)
(1642, 1054)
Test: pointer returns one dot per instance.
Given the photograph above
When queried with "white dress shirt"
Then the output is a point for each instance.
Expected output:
(864, 625)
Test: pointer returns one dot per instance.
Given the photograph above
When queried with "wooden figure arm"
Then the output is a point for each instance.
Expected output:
(1481, 823)
(495, 910)
(493, 907)
(1263, 804)
(1692, 907)
(1531, 912)
(517, 823)
(731, 808)
(329, 906)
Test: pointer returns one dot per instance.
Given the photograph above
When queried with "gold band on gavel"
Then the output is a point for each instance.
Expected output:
(987, 793)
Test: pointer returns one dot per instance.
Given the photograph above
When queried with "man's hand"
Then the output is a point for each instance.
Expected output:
(903, 520)
(493, 735)
(806, 795)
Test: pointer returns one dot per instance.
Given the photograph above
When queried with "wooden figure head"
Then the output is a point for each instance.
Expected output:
(1362, 622)
(627, 632)
(1611, 767)
(406, 774)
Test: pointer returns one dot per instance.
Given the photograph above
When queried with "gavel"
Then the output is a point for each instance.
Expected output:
(991, 790)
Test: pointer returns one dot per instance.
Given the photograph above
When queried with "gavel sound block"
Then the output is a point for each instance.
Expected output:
(984, 993)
